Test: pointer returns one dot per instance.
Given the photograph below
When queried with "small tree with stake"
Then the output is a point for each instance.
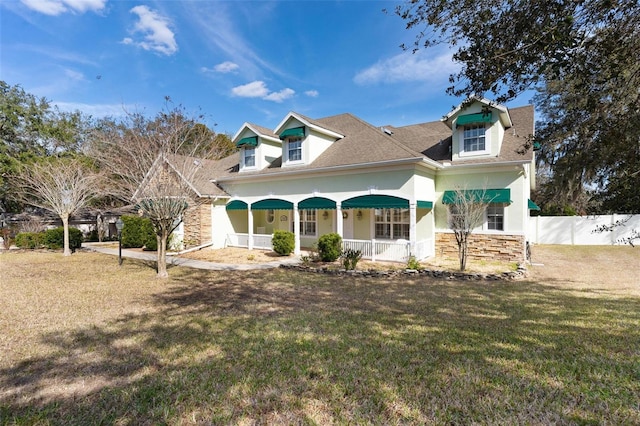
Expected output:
(465, 212)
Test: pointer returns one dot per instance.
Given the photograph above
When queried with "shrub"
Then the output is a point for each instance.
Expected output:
(413, 263)
(350, 258)
(330, 247)
(137, 232)
(54, 238)
(283, 242)
(29, 240)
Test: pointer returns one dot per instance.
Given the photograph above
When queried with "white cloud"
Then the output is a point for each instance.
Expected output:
(74, 75)
(280, 96)
(258, 89)
(226, 67)
(255, 89)
(312, 93)
(96, 110)
(158, 36)
(57, 7)
(407, 67)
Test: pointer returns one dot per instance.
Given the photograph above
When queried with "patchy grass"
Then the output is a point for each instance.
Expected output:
(84, 341)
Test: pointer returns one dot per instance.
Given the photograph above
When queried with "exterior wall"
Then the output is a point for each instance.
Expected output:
(197, 229)
(314, 145)
(483, 247)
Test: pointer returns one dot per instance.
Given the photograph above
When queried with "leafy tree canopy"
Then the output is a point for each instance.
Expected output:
(583, 56)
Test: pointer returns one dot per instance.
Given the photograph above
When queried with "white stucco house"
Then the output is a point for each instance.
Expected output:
(383, 189)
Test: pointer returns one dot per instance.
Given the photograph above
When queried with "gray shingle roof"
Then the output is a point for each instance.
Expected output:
(364, 143)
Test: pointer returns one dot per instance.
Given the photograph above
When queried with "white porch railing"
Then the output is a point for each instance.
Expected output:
(383, 250)
(389, 250)
(260, 241)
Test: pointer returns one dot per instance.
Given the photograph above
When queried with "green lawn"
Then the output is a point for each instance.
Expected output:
(294, 348)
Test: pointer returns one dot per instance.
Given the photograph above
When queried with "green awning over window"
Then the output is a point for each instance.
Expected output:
(532, 205)
(425, 205)
(317, 203)
(490, 196)
(251, 141)
(296, 131)
(272, 204)
(375, 202)
(236, 205)
(473, 119)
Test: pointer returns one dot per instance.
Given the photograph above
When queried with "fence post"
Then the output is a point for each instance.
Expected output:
(373, 250)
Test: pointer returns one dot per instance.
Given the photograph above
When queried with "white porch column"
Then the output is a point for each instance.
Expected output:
(339, 220)
(296, 229)
(250, 217)
(413, 232)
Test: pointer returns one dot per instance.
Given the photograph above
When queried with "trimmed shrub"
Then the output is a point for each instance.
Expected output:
(54, 238)
(330, 247)
(29, 240)
(137, 232)
(283, 242)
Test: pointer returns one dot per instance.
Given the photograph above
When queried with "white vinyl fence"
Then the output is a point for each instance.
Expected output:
(581, 230)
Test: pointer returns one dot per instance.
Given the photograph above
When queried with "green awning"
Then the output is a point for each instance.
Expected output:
(532, 205)
(425, 205)
(272, 204)
(375, 202)
(236, 205)
(494, 196)
(296, 131)
(473, 118)
(251, 141)
(317, 203)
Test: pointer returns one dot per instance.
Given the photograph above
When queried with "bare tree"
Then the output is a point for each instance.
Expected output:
(465, 212)
(154, 165)
(60, 185)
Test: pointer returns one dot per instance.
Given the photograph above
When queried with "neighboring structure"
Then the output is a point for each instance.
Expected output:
(383, 189)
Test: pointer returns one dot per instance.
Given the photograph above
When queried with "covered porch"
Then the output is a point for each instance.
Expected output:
(382, 227)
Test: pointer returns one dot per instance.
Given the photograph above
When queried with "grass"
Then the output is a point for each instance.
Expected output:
(83, 341)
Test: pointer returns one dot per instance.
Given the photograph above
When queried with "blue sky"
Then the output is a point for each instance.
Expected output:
(234, 61)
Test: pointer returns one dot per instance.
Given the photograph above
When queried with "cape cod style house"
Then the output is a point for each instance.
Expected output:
(383, 189)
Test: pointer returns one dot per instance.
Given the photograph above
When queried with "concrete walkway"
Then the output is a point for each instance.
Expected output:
(190, 263)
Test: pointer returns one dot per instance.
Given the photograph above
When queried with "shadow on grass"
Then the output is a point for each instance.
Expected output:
(289, 347)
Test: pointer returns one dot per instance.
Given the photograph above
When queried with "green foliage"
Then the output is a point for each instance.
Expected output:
(137, 232)
(283, 242)
(413, 263)
(29, 240)
(330, 247)
(54, 238)
(350, 259)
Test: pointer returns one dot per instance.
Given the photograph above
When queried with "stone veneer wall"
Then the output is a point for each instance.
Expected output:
(197, 225)
(483, 246)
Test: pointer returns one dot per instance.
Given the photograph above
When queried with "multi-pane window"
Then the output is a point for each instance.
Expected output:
(249, 157)
(392, 223)
(474, 138)
(495, 218)
(294, 149)
(308, 222)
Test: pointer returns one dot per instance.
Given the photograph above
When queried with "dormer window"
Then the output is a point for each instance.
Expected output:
(249, 156)
(473, 139)
(294, 149)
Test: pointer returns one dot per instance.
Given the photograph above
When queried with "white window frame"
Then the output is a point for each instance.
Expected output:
(394, 222)
(308, 217)
(290, 141)
(500, 212)
(245, 151)
(463, 138)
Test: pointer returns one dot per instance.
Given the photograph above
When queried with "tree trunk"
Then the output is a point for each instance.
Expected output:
(162, 254)
(65, 225)
(462, 254)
